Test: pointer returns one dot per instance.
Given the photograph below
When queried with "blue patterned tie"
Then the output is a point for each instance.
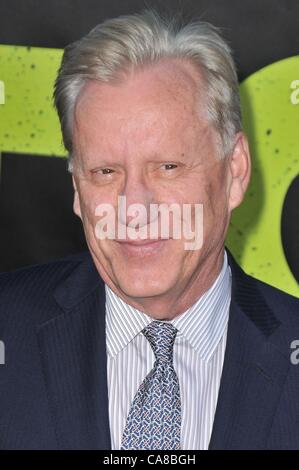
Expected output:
(154, 420)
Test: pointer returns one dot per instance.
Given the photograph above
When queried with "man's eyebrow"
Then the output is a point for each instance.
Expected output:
(93, 160)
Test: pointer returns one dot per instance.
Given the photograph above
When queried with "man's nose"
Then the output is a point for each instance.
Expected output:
(136, 199)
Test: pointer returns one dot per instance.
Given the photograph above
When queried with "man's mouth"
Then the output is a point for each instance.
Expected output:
(142, 247)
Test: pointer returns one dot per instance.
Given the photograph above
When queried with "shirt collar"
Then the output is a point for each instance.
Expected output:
(202, 325)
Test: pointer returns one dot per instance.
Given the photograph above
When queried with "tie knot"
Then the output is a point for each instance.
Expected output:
(161, 336)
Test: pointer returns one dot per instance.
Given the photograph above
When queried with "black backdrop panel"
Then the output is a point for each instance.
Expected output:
(37, 222)
(290, 227)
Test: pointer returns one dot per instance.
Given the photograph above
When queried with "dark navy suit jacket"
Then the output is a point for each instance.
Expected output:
(53, 385)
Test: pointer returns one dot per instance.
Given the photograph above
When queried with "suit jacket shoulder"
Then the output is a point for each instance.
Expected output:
(26, 294)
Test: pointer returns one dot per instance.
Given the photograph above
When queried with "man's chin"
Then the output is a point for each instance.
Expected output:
(143, 288)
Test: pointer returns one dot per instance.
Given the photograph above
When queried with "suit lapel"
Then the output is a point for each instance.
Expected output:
(254, 369)
(73, 354)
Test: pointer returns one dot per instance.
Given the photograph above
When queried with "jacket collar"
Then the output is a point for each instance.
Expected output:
(255, 367)
(73, 356)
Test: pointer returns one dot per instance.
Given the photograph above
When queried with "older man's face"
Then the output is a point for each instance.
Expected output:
(147, 138)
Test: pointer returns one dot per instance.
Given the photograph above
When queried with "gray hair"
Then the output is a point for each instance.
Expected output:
(143, 39)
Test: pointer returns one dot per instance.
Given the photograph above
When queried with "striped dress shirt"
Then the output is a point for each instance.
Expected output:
(198, 359)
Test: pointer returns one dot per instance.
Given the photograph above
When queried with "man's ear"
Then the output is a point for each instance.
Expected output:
(76, 203)
(239, 169)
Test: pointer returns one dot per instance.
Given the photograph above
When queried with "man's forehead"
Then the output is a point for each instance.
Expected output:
(171, 80)
(145, 111)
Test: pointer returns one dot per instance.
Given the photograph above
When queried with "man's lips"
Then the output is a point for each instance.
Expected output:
(147, 247)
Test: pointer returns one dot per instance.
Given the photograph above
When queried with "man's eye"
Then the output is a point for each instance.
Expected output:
(169, 166)
(103, 171)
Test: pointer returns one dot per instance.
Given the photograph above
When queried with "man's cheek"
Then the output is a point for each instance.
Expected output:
(88, 216)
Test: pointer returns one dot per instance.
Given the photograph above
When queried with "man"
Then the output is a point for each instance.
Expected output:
(146, 342)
